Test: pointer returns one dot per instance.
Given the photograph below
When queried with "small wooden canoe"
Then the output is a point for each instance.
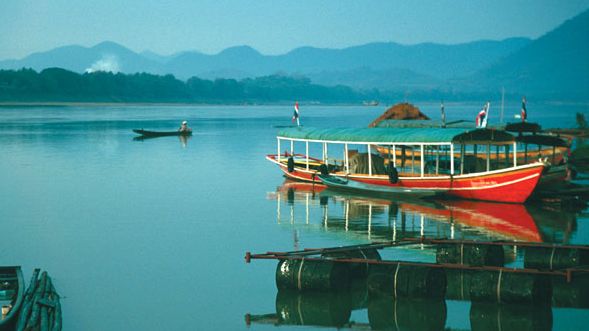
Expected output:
(12, 288)
(147, 133)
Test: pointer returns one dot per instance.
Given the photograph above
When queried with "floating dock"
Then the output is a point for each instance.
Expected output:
(464, 270)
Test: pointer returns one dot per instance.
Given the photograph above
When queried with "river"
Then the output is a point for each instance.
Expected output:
(151, 234)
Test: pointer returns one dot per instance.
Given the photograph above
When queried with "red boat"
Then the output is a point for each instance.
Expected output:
(436, 169)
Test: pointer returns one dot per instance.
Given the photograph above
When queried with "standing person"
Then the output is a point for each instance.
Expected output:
(184, 127)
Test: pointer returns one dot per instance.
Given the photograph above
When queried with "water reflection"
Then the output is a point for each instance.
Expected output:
(334, 309)
(386, 313)
(384, 218)
(484, 316)
(331, 309)
(182, 138)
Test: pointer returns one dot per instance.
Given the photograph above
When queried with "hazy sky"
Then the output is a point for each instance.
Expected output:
(270, 26)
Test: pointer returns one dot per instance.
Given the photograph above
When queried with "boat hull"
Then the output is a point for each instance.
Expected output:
(147, 133)
(513, 185)
(510, 185)
(11, 280)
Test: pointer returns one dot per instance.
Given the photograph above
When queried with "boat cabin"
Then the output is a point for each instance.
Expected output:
(413, 152)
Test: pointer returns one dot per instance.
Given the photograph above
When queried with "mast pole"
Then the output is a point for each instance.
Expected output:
(502, 104)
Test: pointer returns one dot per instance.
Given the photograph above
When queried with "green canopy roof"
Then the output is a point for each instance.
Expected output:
(425, 124)
(397, 135)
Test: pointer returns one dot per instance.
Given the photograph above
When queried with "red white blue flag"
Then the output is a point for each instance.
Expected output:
(295, 116)
(524, 112)
(481, 120)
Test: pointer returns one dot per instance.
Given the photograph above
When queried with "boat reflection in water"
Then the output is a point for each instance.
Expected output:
(182, 138)
(376, 218)
(370, 217)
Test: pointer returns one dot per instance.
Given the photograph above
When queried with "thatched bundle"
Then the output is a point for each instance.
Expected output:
(400, 111)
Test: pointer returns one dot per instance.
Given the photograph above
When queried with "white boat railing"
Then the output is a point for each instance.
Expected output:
(432, 149)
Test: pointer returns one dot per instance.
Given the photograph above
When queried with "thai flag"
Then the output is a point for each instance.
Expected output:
(524, 112)
(295, 116)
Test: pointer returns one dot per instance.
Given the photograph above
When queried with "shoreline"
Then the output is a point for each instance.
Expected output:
(25, 104)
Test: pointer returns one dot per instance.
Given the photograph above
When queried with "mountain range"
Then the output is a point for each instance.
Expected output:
(554, 66)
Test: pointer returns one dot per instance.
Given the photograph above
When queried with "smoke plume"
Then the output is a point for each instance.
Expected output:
(107, 63)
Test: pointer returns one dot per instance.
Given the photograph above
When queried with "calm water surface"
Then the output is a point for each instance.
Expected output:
(150, 235)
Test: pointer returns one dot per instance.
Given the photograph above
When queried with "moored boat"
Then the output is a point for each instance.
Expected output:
(435, 170)
(12, 288)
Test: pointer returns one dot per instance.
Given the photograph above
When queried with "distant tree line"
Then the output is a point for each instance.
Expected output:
(59, 85)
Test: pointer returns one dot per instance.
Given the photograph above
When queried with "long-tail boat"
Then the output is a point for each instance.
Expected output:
(12, 288)
(147, 133)
(436, 169)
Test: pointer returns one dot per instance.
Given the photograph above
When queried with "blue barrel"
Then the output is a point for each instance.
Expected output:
(471, 254)
(357, 270)
(305, 275)
(553, 258)
(509, 288)
(407, 281)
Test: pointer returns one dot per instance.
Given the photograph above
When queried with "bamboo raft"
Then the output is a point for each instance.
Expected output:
(41, 308)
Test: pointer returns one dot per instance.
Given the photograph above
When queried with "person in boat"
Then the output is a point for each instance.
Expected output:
(184, 127)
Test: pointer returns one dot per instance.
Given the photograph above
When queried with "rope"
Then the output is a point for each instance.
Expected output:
(395, 282)
(300, 310)
(552, 256)
(365, 257)
(499, 287)
(299, 283)
(461, 285)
